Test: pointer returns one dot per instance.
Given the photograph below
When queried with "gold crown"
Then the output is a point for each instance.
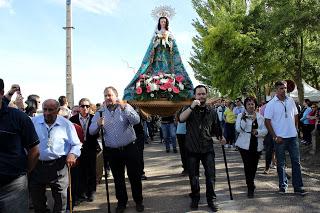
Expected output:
(163, 11)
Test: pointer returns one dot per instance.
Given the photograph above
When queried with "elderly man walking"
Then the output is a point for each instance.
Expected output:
(59, 148)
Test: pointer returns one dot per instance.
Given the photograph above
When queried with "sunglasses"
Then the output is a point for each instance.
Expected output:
(83, 106)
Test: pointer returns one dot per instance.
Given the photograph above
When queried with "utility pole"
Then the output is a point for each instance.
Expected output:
(69, 28)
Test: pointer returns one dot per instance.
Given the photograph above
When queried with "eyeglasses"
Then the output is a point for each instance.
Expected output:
(48, 110)
(83, 106)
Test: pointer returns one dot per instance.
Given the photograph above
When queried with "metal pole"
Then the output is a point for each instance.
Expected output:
(105, 167)
(226, 165)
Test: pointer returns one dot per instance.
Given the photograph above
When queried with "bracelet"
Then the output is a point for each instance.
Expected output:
(191, 108)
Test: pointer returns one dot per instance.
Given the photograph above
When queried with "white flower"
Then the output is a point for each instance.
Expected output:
(161, 75)
(163, 81)
(156, 77)
(169, 89)
(148, 80)
(138, 84)
(153, 87)
(181, 86)
(151, 95)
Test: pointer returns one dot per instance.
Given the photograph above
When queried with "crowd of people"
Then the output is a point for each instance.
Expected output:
(46, 149)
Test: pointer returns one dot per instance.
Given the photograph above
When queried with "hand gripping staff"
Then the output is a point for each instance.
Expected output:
(226, 165)
(105, 166)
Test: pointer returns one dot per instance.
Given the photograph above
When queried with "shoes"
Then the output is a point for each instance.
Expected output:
(144, 177)
(167, 150)
(184, 173)
(91, 197)
(120, 209)
(236, 149)
(213, 207)
(300, 191)
(194, 204)
(250, 193)
(266, 171)
(226, 146)
(282, 191)
(175, 150)
(139, 207)
(82, 198)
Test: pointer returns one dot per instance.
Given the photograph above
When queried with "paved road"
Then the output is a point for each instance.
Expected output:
(167, 191)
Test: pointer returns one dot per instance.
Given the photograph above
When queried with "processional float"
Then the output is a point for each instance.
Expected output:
(161, 86)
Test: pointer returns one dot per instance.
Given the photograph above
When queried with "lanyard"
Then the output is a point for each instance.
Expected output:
(285, 107)
(50, 142)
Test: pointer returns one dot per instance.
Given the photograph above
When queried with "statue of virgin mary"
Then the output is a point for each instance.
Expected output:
(162, 73)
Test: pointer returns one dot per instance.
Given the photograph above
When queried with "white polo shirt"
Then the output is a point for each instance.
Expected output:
(282, 116)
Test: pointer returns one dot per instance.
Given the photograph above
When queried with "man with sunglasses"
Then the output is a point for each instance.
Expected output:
(59, 148)
(88, 174)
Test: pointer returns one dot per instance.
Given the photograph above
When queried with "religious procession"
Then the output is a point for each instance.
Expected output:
(242, 141)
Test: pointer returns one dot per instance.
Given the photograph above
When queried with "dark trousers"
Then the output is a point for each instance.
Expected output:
(54, 174)
(250, 162)
(88, 172)
(120, 158)
(269, 146)
(207, 160)
(306, 131)
(140, 144)
(229, 132)
(183, 152)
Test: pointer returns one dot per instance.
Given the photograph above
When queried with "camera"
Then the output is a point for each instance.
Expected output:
(248, 116)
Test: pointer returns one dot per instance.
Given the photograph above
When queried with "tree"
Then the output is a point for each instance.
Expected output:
(239, 53)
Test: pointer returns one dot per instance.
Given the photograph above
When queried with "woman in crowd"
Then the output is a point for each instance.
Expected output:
(251, 128)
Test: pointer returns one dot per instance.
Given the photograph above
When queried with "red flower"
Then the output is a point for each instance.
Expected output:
(163, 87)
(175, 90)
(167, 85)
(139, 90)
(148, 89)
(179, 78)
(157, 82)
(170, 81)
(142, 76)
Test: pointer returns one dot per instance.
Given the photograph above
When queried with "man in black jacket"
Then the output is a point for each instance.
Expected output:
(88, 174)
(202, 124)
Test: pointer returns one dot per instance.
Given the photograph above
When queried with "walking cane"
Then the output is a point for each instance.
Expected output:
(226, 165)
(70, 195)
(105, 167)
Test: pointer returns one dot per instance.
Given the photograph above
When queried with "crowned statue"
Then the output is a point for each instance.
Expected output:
(162, 74)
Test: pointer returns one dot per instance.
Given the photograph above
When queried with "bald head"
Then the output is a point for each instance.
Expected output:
(50, 108)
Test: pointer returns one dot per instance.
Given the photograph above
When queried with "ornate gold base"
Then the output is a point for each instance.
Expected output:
(160, 107)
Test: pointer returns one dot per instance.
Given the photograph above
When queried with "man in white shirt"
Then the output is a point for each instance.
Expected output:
(59, 148)
(281, 119)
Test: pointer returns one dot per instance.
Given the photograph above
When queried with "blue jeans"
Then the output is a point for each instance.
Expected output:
(292, 146)
(169, 135)
(14, 197)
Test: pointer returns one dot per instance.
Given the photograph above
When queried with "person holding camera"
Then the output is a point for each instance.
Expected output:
(251, 128)
(202, 123)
